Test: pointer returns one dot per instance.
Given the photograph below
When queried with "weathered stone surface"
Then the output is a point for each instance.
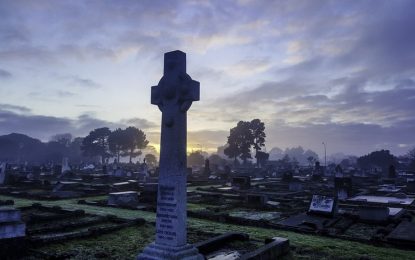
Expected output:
(213, 243)
(374, 213)
(2, 173)
(162, 252)
(123, 199)
(9, 214)
(12, 230)
(173, 95)
(256, 199)
(241, 182)
(273, 249)
(65, 165)
(404, 232)
(305, 221)
(323, 205)
(10, 223)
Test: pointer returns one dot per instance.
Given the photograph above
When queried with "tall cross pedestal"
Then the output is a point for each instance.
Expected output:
(173, 95)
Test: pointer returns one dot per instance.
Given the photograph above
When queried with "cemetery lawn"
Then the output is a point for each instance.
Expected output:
(127, 242)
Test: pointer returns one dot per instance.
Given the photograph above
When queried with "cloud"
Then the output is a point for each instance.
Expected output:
(207, 139)
(20, 120)
(34, 125)
(248, 67)
(4, 74)
(83, 82)
(14, 108)
(140, 123)
(28, 53)
(350, 138)
(64, 94)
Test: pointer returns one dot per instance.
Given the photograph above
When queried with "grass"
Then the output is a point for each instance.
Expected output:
(133, 239)
(121, 244)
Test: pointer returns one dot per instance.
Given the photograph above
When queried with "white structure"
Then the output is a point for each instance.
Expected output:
(174, 95)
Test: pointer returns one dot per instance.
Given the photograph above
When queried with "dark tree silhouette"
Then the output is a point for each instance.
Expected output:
(74, 150)
(261, 158)
(382, 159)
(246, 140)
(311, 160)
(135, 141)
(232, 149)
(64, 139)
(215, 159)
(56, 150)
(96, 143)
(195, 159)
(151, 159)
(240, 141)
(285, 162)
(116, 142)
(258, 128)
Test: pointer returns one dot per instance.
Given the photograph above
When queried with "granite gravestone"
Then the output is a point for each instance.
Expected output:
(2, 173)
(65, 165)
(323, 205)
(173, 95)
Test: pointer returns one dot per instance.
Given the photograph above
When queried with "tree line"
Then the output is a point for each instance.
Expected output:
(100, 142)
(121, 142)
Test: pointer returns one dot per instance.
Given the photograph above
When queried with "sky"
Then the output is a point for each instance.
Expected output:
(340, 72)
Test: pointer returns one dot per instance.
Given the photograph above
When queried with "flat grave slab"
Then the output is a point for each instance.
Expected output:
(123, 199)
(404, 232)
(11, 225)
(383, 199)
(306, 222)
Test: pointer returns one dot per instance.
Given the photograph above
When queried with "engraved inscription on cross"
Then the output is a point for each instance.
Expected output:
(173, 95)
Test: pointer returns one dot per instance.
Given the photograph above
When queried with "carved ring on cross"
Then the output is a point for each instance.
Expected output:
(175, 90)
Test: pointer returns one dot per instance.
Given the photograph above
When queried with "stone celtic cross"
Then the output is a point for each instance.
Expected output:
(173, 95)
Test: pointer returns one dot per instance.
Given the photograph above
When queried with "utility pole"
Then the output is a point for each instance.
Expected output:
(325, 155)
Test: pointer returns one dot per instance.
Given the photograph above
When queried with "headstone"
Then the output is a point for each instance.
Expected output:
(65, 165)
(338, 171)
(323, 205)
(2, 173)
(343, 187)
(123, 199)
(392, 172)
(206, 170)
(57, 169)
(257, 200)
(410, 186)
(317, 172)
(144, 175)
(149, 193)
(241, 182)
(173, 95)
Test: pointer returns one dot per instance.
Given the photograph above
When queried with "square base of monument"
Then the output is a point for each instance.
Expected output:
(159, 252)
